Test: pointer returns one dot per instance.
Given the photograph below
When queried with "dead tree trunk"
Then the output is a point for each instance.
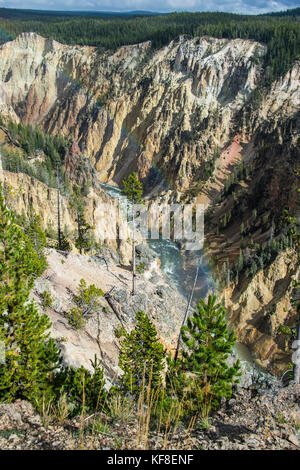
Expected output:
(297, 353)
(58, 211)
(133, 256)
(186, 314)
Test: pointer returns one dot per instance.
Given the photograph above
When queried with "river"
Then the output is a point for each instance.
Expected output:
(181, 266)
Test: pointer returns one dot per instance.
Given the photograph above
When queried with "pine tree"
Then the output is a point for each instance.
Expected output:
(30, 355)
(82, 241)
(208, 344)
(271, 233)
(141, 356)
(253, 268)
(133, 190)
(64, 244)
(37, 237)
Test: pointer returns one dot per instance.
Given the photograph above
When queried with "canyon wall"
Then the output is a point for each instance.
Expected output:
(160, 112)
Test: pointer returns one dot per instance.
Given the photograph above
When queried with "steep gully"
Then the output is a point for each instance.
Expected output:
(181, 267)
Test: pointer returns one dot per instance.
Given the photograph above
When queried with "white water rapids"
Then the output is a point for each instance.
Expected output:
(180, 266)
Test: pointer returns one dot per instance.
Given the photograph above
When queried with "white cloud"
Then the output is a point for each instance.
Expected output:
(187, 4)
(237, 6)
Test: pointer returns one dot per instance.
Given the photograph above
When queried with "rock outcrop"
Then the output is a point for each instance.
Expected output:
(27, 193)
(258, 308)
(155, 295)
(162, 113)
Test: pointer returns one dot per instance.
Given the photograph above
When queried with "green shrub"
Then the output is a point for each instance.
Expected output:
(85, 390)
(87, 303)
(120, 407)
(76, 318)
(47, 299)
(140, 268)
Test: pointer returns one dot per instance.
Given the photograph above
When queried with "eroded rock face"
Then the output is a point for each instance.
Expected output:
(162, 113)
(155, 295)
(257, 310)
(137, 108)
(29, 194)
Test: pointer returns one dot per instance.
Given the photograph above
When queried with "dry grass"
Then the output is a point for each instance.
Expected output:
(155, 419)
(149, 408)
(144, 411)
(82, 424)
(120, 408)
(61, 410)
(45, 407)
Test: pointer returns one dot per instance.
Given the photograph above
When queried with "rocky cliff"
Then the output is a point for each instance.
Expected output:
(156, 295)
(27, 194)
(259, 308)
(162, 113)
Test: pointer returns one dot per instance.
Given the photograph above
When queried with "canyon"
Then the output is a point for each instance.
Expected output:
(183, 117)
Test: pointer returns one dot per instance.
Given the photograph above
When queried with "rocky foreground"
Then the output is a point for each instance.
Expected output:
(269, 420)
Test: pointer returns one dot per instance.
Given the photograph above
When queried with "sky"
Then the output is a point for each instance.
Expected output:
(235, 6)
